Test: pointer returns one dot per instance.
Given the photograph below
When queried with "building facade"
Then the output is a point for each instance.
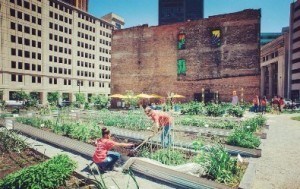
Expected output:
(294, 69)
(274, 67)
(173, 11)
(215, 56)
(80, 4)
(117, 21)
(49, 46)
(266, 38)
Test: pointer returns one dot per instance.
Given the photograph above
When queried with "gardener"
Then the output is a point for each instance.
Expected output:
(104, 158)
(163, 121)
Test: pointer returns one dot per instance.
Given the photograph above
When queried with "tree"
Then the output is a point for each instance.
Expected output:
(53, 98)
(100, 101)
(80, 99)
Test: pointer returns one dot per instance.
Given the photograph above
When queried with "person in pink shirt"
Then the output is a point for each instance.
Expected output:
(103, 157)
(161, 120)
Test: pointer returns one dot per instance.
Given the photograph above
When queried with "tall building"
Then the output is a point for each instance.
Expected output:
(266, 38)
(172, 11)
(294, 69)
(274, 67)
(80, 4)
(48, 45)
(115, 20)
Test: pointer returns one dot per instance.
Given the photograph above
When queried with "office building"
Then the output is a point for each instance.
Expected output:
(115, 20)
(49, 46)
(294, 69)
(172, 11)
(80, 4)
(266, 38)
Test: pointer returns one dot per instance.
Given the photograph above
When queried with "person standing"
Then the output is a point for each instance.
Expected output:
(163, 121)
(281, 104)
(104, 158)
(235, 99)
(255, 103)
(263, 104)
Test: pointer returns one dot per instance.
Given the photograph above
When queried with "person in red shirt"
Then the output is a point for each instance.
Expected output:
(263, 104)
(281, 104)
(255, 103)
(163, 121)
(104, 158)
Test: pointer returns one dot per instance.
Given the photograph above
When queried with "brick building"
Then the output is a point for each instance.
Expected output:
(218, 54)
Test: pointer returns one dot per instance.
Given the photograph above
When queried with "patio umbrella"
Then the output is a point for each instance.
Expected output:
(156, 96)
(142, 95)
(117, 96)
(178, 96)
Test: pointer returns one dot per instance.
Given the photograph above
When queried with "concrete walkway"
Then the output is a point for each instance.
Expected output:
(279, 166)
(123, 181)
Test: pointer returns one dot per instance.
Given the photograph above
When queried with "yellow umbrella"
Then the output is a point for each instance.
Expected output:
(178, 96)
(142, 95)
(117, 96)
(128, 96)
(156, 96)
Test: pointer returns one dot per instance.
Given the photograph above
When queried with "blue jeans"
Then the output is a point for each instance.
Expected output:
(165, 136)
(110, 160)
(255, 108)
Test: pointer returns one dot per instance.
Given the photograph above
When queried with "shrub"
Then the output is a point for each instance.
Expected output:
(11, 141)
(235, 111)
(166, 156)
(100, 101)
(215, 110)
(219, 165)
(253, 124)
(53, 98)
(192, 108)
(50, 174)
(243, 138)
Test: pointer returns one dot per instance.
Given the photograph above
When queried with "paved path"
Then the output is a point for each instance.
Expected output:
(279, 166)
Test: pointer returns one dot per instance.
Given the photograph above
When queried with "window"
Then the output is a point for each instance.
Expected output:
(20, 28)
(33, 43)
(39, 10)
(33, 7)
(12, 12)
(13, 52)
(39, 21)
(13, 77)
(39, 79)
(33, 67)
(50, 69)
(27, 17)
(12, 1)
(12, 26)
(27, 29)
(20, 78)
(33, 19)
(20, 65)
(13, 64)
(20, 15)
(39, 45)
(39, 33)
(39, 56)
(13, 38)
(50, 80)
(33, 79)
(20, 40)
(19, 2)
(27, 66)
(27, 54)
(27, 42)
(55, 81)
(39, 68)
(33, 55)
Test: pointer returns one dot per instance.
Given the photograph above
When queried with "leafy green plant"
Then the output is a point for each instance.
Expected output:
(243, 138)
(80, 98)
(215, 110)
(219, 165)
(11, 141)
(50, 174)
(255, 123)
(100, 101)
(53, 98)
(193, 108)
(166, 156)
(235, 111)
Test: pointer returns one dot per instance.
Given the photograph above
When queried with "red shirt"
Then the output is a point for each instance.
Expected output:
(263, 102)
(103, 145)
(162, 118)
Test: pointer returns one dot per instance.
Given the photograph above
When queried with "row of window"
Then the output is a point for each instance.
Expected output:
(60, 7)
(60, 17)
(104, 76)
(26, 42)
(61, 60)
(27, 66)
(67, 82)
(26, 29)
(60, 28)
(104, 59)
(86, 17)
(85, 73)
(86, 36)
(85, 64)
(103, 67)
(26, 54)
(26, 17)
(60, 39)
(86, 27)
(85, 45)
(104, 42)
(270, 56)
(64, 71)
(103, 50)
(105, 34)
(26, 5)
(56, 48)
(85, 55)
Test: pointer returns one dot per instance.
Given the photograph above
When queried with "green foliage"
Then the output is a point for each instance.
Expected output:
(53, 98)
(215, 110)
(11, 141)
(219, 165)
(166, 156)
(243, 138)
(80, 98)
(205, 122)
(235, 111)
(6, 115)
(100, 101)
(255, 123)
(20, 95)
(198, 144)
(297, 118)
(50, 174)
(130, 99)
(193, 108)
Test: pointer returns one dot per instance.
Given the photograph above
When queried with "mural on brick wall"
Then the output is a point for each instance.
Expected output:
(181, 67)
(181, 41)
(216, 37)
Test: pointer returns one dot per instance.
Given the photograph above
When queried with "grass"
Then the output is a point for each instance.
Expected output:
(297, 118)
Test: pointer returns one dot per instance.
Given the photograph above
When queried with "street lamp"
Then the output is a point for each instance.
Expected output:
(78, 84)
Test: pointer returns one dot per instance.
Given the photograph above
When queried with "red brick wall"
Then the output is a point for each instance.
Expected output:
(144, 59)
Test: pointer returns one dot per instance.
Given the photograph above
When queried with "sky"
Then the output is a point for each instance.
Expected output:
(275, 13)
